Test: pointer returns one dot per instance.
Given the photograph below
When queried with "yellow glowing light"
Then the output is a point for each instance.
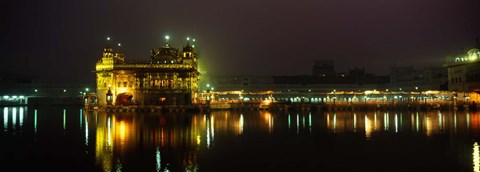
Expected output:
(268, 119)
(198, 139)
(241, 124)
(266, 102)
(122, 90)
(473, 57)
(431, 92)
(476, 157)
(122, 132)
(368, 128)
(429, 126)
(473, 54)
(167, 37)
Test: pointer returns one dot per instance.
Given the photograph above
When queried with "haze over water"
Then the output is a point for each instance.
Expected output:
(71, 139)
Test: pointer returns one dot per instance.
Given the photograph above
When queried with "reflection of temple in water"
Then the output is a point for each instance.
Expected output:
(170, 139)
(173, 139)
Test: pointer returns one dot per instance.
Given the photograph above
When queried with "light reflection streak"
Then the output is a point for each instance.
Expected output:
(198, 140)
(35, 121)
(303, 122)
(334, 122)
(212, 127)
(271, 123)
(328, 121)
(476, 157)
(81, 115)
(122, 133)
(269, 120)
(354, 122)
(368, 128)
(298, 123)
(310, 122)
(64, 118)
(385, 121)
(14, 118)
(396, 123)
(86, 130)
(241, 124)
(401, 121)
(428, 125)
(412, 119)
(207, 123)
(468, 120)
(417, 123)
(440, 121)
(375, 121)
(109, 132)
(455, 120)
(5, 118)
(158, 160)
(21, 117)
(289, 121)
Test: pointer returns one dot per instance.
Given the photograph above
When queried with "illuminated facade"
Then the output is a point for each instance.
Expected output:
(464, 71)
(170, 77)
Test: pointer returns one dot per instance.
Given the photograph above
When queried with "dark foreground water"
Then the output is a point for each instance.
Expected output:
(70, 139)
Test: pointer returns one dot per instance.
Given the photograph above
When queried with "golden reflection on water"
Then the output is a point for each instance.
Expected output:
(184, 135)
(268, 119)
(428, 123)
(368, 127)
(476, 157)
(120, 133)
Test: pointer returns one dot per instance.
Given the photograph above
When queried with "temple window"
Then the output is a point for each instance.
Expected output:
(170, 84)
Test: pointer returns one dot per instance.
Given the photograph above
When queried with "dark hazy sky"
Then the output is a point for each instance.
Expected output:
(62, 40)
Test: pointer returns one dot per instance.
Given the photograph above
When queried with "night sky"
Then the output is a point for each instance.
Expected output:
(60, 41)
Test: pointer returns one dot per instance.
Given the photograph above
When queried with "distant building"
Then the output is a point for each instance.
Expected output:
(23, 90)
(323, 68)
(354, 80)
(170, 77)
(464, 70)
(410, 79)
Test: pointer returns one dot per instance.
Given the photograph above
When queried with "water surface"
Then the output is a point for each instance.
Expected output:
(71, 139)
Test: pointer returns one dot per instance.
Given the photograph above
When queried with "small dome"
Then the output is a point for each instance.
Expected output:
(188, 47)
(473, 54)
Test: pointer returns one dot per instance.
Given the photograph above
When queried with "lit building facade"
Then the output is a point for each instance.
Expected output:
(464, 71)
(170, 77)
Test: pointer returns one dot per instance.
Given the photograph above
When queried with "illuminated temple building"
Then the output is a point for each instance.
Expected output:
(170, 77)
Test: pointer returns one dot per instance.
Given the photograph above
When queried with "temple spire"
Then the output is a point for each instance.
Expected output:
(167, 41)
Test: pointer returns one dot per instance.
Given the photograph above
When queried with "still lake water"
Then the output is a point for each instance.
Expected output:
(71, 139)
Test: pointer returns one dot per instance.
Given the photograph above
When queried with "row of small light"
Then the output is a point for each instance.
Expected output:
(6, 97)
(167, 38)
